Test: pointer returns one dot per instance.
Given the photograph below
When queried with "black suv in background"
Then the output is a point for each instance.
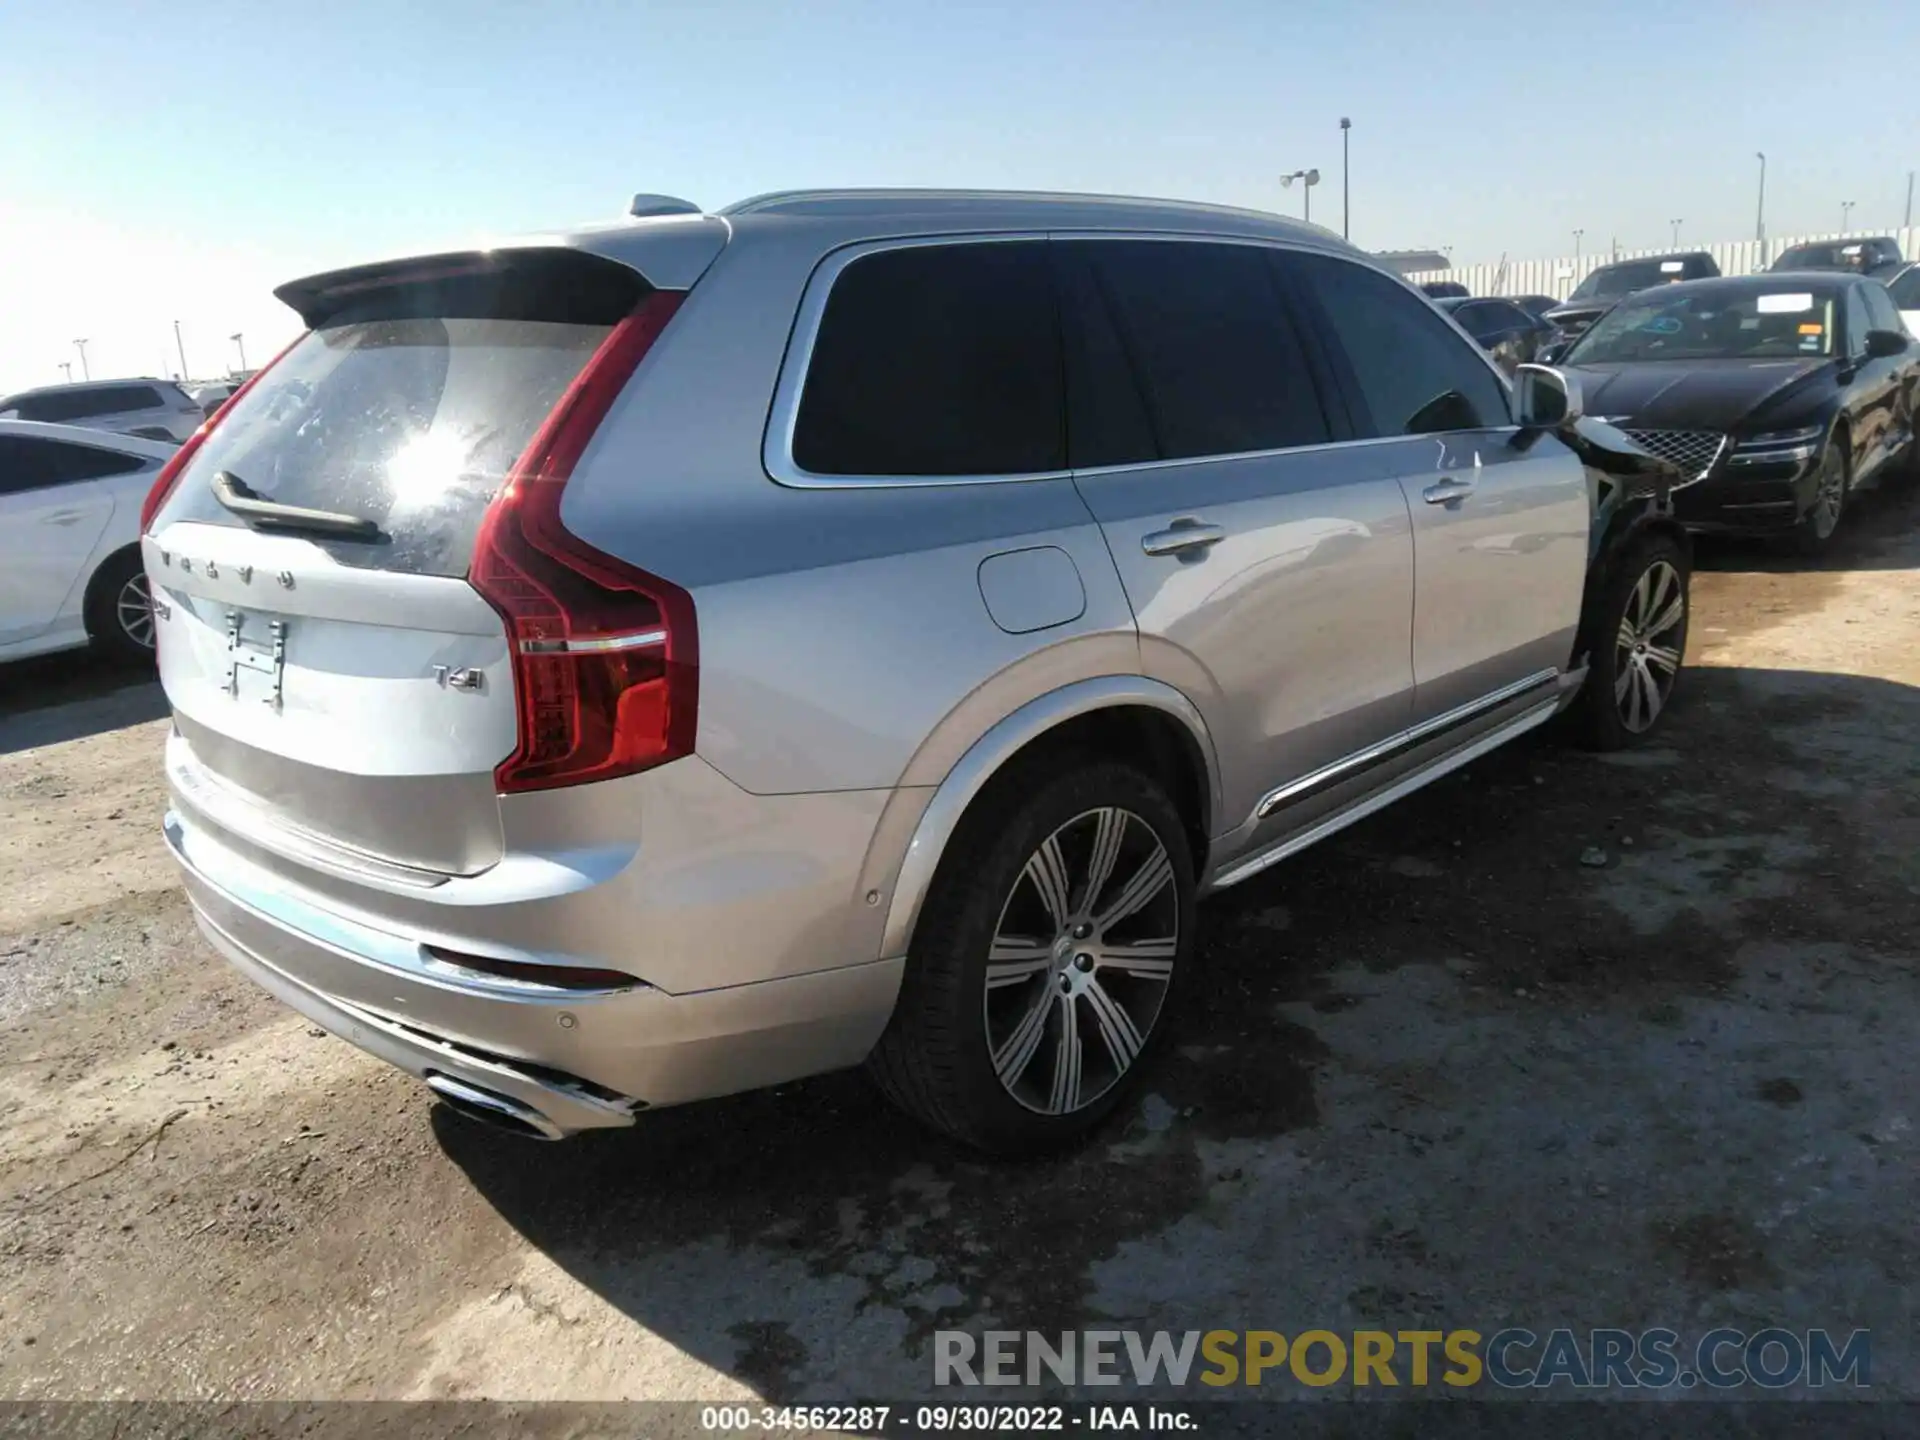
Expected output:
(1876, 255)
(1595, 295)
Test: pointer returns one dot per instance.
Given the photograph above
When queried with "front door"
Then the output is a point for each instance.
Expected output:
(1499, 519)
(1270, 571)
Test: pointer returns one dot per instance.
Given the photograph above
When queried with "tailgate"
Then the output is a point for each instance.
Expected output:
(333, 674)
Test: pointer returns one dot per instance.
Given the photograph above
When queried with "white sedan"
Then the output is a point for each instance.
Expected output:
(70, 571)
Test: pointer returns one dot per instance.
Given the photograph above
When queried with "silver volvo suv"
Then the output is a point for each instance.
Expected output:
(661, 659)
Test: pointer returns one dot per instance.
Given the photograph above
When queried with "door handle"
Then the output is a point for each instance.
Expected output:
(1181, 536)
(64, 517)
(1442, 492)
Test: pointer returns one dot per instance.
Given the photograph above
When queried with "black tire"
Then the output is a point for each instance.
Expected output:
(111, 625)
(1611, 712)
(936, 1060)
(1833, 482)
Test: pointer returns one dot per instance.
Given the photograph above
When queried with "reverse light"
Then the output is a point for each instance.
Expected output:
(605, 658)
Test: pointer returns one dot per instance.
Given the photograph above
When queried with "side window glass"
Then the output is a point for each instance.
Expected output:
(1186, 350)
(1906, 290)
(1414, 374)
(32, 464)
(1881, 311)
(936, 360)
(1857, 321)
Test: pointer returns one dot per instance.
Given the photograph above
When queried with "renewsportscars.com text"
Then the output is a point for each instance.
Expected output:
(1511, 1358)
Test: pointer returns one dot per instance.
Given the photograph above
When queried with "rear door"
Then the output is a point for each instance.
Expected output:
(1270, 573)
(54, 507)
(1500, 528)
(357, 690)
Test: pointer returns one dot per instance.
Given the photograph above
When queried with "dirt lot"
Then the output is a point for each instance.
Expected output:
(1443, 1071)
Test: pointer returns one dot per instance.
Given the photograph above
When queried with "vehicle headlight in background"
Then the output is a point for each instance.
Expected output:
(1779, 447)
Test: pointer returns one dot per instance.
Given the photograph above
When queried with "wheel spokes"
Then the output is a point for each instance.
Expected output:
(1667, 619)
(1123, 1041)
(1110, 828)
(1011, 961)
(1067, 1056)
(1143, 959)
(1010, 1061)
(1054, 980)
(1665, 656)
(1153, 876)
(1047, 869)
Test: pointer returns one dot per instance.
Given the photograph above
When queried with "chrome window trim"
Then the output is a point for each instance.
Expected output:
(776, 447)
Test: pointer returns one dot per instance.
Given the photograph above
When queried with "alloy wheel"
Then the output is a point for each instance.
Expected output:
(1647, 650)
(1081, 961)
(133, 610)
(1831, 495)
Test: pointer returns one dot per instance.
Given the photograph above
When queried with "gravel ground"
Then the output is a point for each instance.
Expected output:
(1442, 1072)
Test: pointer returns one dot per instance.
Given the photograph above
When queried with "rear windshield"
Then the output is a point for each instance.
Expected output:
(409, 409)
(1831, 255)
(1614, 280)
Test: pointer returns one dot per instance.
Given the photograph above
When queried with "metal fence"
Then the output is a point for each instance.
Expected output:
(1558, 277)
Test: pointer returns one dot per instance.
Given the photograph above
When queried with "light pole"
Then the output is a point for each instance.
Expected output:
(1308, 179)
(1346, 184)
(81, 346)
(1676, 233)
(235, 337)
(1576, 246)
(1909, 219)
(66, 369)
(1760, 209)
(181, 345)
(1846, 212)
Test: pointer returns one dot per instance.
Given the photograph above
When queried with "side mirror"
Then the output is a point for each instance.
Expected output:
(1884, 344)
(1547, 398)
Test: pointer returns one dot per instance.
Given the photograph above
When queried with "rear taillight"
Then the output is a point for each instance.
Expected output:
(170, 473)
(605, 665)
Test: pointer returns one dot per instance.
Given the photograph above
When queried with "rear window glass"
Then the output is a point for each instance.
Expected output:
(63, 407)
(31, 463)
(1195, 338)
(936, 360)
(1624, 279)
(409, 418)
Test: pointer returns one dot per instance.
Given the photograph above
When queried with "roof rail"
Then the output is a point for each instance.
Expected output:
(644, 205)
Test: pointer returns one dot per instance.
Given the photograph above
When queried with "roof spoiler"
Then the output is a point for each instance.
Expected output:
(320, 298)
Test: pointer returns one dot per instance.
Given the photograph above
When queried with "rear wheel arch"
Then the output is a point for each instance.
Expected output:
(1130, 718)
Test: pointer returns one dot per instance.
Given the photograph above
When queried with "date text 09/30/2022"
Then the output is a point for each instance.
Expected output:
(941, 1419)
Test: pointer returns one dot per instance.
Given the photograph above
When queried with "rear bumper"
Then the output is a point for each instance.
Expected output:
(577, 1060)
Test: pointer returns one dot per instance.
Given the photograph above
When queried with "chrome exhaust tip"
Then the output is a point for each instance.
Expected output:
(490, 1107)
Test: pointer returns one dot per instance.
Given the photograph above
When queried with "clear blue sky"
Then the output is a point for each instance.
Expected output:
(173, 161)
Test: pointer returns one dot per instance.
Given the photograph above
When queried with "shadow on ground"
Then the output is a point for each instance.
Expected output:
(1876, 523)
(1481, 873)
(71, 695)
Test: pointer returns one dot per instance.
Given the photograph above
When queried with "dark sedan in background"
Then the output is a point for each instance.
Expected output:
(1876, 255)
(1502, 328)
(1596, 294)
(1778, 395)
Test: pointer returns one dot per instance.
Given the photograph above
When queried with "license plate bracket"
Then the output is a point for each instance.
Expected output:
(264, 655)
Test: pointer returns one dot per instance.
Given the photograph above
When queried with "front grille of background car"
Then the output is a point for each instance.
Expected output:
(1694, 451)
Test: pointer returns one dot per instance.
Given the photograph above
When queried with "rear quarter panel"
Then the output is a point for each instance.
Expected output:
(844, 643)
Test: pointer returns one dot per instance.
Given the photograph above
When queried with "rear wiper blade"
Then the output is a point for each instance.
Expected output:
(234, 493)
